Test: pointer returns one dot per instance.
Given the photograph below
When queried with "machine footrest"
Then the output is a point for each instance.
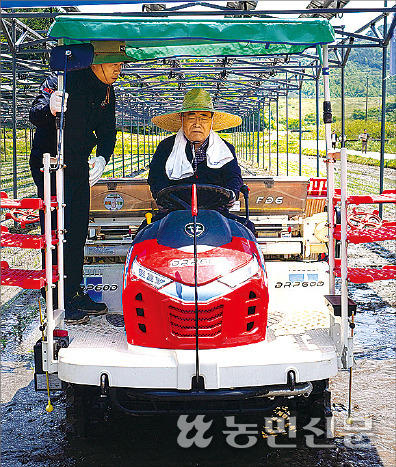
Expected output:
(366, 275)
(25, 278)
(24, 203)
(387, 196)
(386, 232)
(24, 241)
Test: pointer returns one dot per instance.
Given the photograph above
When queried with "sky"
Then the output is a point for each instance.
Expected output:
(352, 21)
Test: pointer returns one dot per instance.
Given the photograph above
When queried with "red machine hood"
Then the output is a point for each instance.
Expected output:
(178, 265)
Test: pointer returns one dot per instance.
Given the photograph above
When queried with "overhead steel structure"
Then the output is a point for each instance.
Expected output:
(246, 80)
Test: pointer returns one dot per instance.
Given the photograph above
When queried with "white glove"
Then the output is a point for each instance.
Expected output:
(97, 167)
(56, 102)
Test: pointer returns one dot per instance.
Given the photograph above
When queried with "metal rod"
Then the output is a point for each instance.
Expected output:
(138, 139)
(344, 254)
(60, 198)
(122, 138)
(330, 168)
(250, 136)
(349, 420)
(287, 133)
(269, 136)
(131, 140)
(277, 136)
(258, 134)
(343, 104)
(194, 212)
(222, 12)
(246, 138)
(14, 121)
(383, 119)
(144, 138)
(300, 129)
(48, 260)
(4, 143)
(317, 129)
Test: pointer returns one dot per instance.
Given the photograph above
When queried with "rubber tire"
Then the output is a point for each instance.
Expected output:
(317, 405)
(85, 411)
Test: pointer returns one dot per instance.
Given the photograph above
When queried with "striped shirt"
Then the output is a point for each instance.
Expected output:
(200, 153)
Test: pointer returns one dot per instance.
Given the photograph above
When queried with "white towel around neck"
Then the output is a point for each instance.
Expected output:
(178, 166)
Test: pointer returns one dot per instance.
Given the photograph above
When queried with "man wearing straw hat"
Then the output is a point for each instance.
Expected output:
(197, 154)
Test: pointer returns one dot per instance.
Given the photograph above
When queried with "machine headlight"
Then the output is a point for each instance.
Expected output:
(150, 277)
(242, 274)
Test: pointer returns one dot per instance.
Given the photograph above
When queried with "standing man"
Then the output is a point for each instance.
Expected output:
(197, 154)
(334, 139)
(364, 139)
(89, 123)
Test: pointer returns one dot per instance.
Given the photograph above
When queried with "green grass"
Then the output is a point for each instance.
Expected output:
(390, 163)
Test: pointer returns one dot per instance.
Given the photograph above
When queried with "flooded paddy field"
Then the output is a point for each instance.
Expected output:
(32, 437)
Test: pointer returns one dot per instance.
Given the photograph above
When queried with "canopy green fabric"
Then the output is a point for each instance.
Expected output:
(152, 38)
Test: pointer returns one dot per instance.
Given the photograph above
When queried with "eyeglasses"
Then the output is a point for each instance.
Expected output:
(191, 118)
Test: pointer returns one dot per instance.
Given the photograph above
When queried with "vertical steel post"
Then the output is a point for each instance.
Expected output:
(366, 96)
(246, 136)
(240, 137)
(137, 137)
(269, 135)
(263, 135)
(4, 143)
(343, 103)
(277, 134)
(287, 131)
(148, 133)
(122, 137)
(299, 130)
(258, 134)
(14, 105)
(317, 128)
(383, 115)
(130, 135)
(152, 135)
(249, 136)
(26, 144)
(144, 137)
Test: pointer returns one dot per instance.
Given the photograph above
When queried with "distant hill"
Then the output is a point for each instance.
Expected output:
(362, 63)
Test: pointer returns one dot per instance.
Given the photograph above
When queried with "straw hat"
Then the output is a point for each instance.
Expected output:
(110, 52)
(197, 99)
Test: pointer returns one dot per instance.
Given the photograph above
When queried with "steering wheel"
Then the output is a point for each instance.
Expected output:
(178, 197)
(364, 220)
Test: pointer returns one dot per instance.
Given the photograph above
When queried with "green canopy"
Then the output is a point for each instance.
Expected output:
(152, 38)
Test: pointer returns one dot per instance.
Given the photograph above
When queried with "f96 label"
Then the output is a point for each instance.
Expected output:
(269, 199)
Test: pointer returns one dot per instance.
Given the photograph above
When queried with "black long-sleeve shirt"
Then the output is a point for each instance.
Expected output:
(228, 176)
(88, 122)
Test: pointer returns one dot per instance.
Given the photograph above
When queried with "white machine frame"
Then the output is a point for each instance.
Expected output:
(95, 351)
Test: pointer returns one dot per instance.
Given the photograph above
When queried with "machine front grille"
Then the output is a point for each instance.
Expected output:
(182, 321)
